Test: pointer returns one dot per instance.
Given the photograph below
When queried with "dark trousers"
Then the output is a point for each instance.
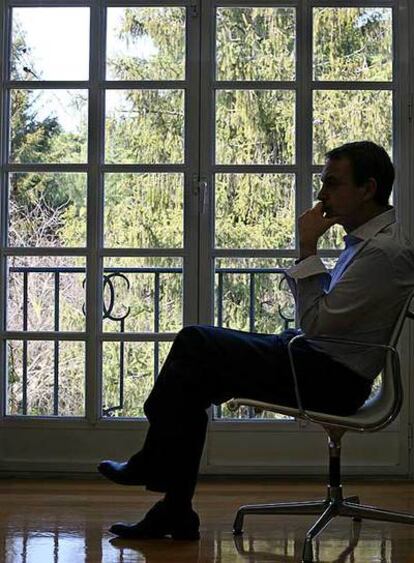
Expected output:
(208, 364)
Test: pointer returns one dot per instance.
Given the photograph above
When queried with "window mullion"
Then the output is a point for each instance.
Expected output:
(95, 213)
(303, 125)
(5, 34)
(207, 151)
(192, 167)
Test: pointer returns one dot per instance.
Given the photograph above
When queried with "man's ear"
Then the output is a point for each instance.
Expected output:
(370, 189)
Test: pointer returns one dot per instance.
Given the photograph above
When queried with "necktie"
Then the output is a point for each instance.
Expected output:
(344, 259)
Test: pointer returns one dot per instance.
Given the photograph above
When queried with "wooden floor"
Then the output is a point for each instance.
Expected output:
(66, 521)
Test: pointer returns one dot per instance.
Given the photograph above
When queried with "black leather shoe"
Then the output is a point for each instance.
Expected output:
(159, 523)
(121, 473)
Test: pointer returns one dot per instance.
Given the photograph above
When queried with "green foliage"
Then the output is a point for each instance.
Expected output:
(146, 126)
(255, 44)
(352, 44)
(31, 138)
(255, 211)
(166, 28)
(144, 210)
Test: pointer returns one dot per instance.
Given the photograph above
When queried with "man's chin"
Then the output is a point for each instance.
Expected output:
(329, 214)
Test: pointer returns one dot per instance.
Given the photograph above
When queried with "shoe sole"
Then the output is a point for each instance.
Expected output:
(118, 480)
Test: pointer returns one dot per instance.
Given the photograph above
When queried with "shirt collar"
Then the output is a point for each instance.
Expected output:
(374, 225)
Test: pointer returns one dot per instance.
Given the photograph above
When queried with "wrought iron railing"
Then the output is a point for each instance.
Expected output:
(110, 275)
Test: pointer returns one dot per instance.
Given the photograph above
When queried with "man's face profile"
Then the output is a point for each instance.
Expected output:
(339, 195)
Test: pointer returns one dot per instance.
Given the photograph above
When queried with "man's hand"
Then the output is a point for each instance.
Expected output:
(312, 224)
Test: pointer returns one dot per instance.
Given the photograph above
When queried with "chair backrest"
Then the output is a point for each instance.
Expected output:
(389, 398)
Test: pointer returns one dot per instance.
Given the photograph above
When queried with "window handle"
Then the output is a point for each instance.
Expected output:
(200, 189)
(203, 190)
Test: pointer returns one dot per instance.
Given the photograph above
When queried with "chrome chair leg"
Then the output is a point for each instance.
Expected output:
(300, 507)
(361, 511)
(353, 499)
(330, 513)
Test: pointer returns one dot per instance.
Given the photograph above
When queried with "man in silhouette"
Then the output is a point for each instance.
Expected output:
(359, 300)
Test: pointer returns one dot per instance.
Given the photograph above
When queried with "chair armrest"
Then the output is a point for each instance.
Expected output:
(386, 347)
(344, 341)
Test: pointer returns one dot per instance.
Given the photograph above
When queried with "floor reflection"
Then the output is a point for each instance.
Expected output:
(282, 545)
(325, 550)
(49, 521)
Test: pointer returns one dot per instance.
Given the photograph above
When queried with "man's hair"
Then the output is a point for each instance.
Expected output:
(368, 160)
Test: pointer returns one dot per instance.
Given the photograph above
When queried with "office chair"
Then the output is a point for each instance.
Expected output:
(375, 414)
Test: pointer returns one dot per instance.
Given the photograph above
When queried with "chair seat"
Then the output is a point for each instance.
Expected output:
(370, 414)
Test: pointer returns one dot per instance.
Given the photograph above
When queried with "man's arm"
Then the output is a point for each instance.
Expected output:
(353, 296)
(312, 266)
(312, 225)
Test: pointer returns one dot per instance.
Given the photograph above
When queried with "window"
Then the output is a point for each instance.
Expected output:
(154, 161)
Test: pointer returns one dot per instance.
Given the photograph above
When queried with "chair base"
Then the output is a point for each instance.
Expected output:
(333, 505)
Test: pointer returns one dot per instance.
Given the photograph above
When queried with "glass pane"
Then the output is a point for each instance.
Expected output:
(342, 116)
(146, 43)
(44, 46)
(255, 210)
(272, 308)
(46, 293)
(47, 209)
(144, 210)
(251, 295)
(49, 126)
(255, 127)
(144, 126)
(129, 372)
(143, 294)
(222, 412)
(352, 43)
(255, 43)
(45, 378)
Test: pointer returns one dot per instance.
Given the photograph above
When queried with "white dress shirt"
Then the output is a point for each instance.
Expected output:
(363, 295)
